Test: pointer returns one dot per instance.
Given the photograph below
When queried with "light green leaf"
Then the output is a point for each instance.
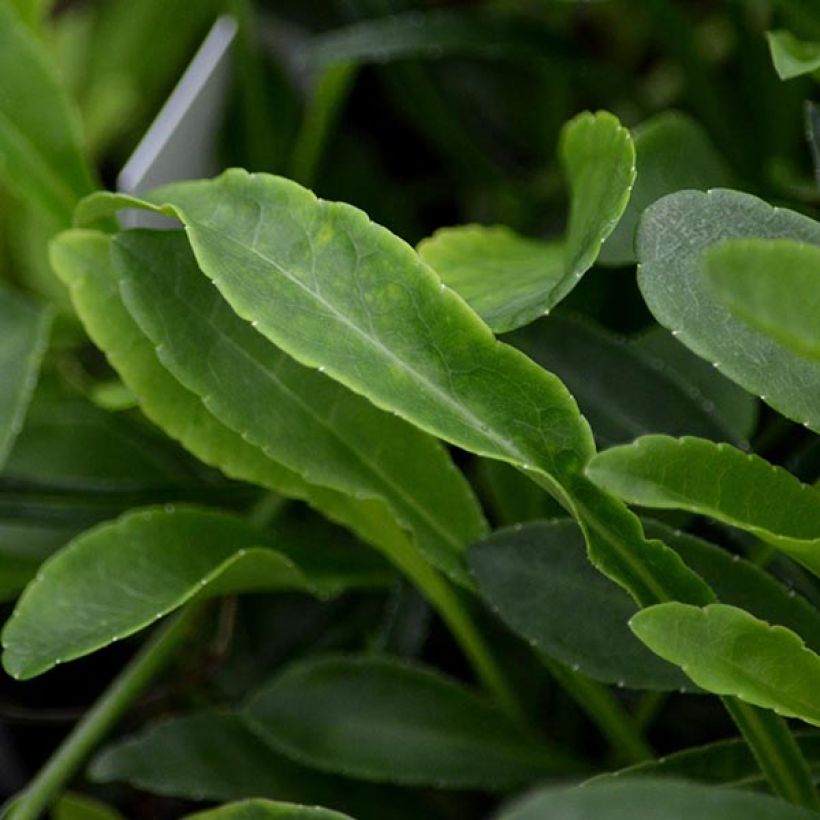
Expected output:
(538, 579)
(119, 577)
(727, 762)
(650, 800)
(730, 652)
(81, 807)
(412, 726)
(25, 337)
(673, 153)
(306, 271)
(266, 810)
(774, 285)
(700, 380)
(672, 237)
(621, 390)
(296, 415)
(720, 481)
(82, 259)
(510, 280)
(41, 155)
(792, 57)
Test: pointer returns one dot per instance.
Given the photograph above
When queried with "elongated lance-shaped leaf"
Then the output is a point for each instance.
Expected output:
(510, 280)
(791, 56)
(774, 285)
(720, 481)
(650, 799)
(41, 155)
(673, 153)
(257, 809)
(307, 271)
(25, 337)
(412, 726)
(726, 762)
(119, 577)
(82, 259)
(620, 389)
(673, 235)
(730, 652)
(296, 415)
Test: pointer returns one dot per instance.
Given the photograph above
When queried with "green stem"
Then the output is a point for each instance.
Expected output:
(95, 725)
(453, 612)
(776, 752)
(606, 713)
(648, 709)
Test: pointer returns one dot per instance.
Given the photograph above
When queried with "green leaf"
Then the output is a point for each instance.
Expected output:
(730, 652)
(296, 415)
(81, 807)
(25, 338)
(119, 577)
(774, 285)
(673, 153)
(792, 57)
(699, 379)
(510, 280)
(41, 155)
(537, 577)
(306, 271)
(649, 800)
(620, 390)
(720, 481)
(411, 727)
(672, 237)
(214, 756)
(727, 762)
(266, 810)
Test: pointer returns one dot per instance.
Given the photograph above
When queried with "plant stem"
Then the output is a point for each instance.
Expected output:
(441, 595)
(100, 719)
(776, 752)
(648, 709)
(605, 711)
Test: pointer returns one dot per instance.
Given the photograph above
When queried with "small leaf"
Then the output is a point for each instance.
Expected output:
(727, 651)
(727, 762)
(411, 726)
(673, 153)
(119, 577)
(266, 810)
(792, 57)
(620, 390)
(510, 280)
(774, 285)
(25, 337)
(672, 237)
(720, 481)
(81, 807)
(650, 800)
(40, 146)
(540, 582)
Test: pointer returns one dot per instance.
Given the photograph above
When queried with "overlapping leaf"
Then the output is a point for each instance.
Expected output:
(774, 285)
(122, 576)
(719, 481)
(411, 726)
(673, 236)
(510, 280)
(791, 56)
(267, 810)
(730, 652)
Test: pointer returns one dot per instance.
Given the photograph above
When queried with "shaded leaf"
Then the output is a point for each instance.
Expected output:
(720, 481)
(643, 799)
(266, 810)
(792, 57)
(119, 577)
(673, 153)
(412, 726)
(537, 577)
(774, 285)
(511, 280)
(730, 652)
(672, 237)
(81, 807)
